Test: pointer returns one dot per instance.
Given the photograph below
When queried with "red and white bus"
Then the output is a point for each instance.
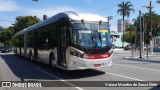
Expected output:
(67, 40)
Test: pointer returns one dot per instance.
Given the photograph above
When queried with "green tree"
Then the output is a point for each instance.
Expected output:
(5, 36)
(1, 29)
(145, 28)
(24, 22)
(155, 25)
(124, 9)
(129, 35)
(20, 23)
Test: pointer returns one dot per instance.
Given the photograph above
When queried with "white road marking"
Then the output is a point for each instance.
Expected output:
(59, 79)
(124, 76)
(138, 67)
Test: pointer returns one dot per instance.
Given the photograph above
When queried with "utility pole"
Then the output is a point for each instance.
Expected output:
(151, 39)
(140, 27)
(150, 33)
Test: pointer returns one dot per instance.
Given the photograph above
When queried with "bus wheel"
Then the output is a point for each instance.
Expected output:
(52, 62)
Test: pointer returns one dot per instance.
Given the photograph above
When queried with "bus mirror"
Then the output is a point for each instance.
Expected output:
(100, 22)
(82, 20)
(70, 20)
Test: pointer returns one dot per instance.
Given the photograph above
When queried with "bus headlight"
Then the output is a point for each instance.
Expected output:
(85, 56)
(90, 56)
(76, 53)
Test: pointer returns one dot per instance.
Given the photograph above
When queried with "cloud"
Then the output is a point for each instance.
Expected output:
(8, 5)
(48, 11)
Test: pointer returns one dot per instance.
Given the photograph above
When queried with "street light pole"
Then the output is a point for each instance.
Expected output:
(35, 0)
(158, 1)
(109, 18)
(143, 30)
(135, 22)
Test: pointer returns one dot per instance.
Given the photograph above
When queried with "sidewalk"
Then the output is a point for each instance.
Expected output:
(118, 49)
(152, 57)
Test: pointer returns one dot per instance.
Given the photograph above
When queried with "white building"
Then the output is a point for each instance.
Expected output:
(116, 39)
(120, 24)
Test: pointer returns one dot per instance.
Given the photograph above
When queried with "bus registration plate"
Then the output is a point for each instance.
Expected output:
(97, 65)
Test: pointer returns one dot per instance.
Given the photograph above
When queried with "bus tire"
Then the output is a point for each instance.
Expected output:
(52, 62)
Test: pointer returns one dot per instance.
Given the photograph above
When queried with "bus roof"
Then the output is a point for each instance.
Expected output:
(67, 14)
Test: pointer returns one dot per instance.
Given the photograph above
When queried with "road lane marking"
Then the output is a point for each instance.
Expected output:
(124, 76)
(138, 67)
(59, 79)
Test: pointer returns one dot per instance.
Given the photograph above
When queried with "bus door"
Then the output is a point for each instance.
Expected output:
(35, 45)
(62, 46)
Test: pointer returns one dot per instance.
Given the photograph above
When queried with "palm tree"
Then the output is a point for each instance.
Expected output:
(124, 9)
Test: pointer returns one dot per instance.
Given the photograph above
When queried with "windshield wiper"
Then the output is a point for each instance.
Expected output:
(94, 42)
(99, 36)
(92, 37)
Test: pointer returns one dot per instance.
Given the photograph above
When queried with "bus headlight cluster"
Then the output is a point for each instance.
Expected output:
(76, 53)
(96, 56)
(90, 56)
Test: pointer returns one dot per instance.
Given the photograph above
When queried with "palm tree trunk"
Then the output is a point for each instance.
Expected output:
(123, 32)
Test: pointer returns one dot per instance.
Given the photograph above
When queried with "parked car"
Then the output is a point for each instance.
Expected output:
(5, 49)
(128, 47)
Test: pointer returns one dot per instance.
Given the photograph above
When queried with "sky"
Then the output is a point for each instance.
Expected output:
(10, 9)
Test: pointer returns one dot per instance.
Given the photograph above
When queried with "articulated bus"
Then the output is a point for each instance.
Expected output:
(67, 40)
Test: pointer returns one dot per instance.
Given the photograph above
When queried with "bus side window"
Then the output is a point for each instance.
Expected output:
(68, 39)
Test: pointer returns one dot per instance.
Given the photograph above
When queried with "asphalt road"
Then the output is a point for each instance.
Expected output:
(14, 68)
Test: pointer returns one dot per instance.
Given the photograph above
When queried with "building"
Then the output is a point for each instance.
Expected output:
(157, 42)
(120, 24)
(116, 39)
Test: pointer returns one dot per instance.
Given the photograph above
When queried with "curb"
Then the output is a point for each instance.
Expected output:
(117, 49)
(142, 60)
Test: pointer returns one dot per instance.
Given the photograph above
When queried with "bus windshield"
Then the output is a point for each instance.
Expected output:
(90, 35)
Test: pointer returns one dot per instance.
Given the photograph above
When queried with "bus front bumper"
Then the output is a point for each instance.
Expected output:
(80, 63)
